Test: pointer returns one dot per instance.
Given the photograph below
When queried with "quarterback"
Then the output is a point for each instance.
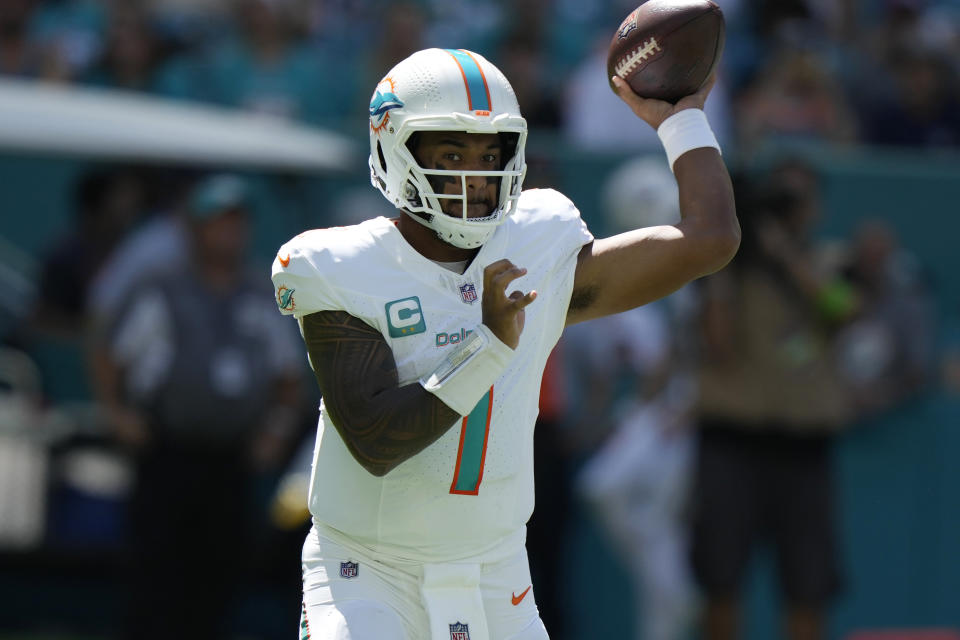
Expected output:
(428, 335)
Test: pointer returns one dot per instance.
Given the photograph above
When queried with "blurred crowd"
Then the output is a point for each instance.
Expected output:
(691, 430)
(875, 71)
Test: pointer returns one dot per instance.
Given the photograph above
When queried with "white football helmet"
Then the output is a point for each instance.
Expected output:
(445, 90)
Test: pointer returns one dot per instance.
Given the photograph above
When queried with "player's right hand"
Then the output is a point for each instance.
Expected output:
(654, 112)
(504, 314)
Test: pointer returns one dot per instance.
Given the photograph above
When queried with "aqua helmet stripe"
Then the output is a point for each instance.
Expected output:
(478, 93)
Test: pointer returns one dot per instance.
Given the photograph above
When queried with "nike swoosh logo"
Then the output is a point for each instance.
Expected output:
(284, 262)
(515, 599)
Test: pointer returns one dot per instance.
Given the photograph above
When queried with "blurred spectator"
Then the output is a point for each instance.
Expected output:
(637, 483)
(577, 27)
(523, 60)
(886, 352)
(782, 21)
(20, 54)
(923, 110)
(131, 53)
(640, 192)
(462, 24)
(71, 34)
(272, 69)
(897, 32)
(637, 369)
(160, 245)
(109, 202)
(771, 401)
(940, 26)
(401, 31)
(909, 57)
(794, 96)
(201, 384)
(774, 16)
(191, 7)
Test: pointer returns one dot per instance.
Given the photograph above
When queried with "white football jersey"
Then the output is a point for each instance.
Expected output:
(472, 488)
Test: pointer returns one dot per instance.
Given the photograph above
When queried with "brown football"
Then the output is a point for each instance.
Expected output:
(666, 49)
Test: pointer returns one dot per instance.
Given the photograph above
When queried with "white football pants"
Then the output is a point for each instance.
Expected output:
(350, 594)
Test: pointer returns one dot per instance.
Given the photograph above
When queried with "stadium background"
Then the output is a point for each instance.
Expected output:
(898, 479)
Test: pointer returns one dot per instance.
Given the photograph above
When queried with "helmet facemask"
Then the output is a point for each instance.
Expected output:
(424, 194)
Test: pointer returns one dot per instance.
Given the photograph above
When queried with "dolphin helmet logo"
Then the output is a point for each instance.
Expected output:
(384, 99)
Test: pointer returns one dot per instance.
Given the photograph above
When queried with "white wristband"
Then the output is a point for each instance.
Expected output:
(686, 130)
(466, 374)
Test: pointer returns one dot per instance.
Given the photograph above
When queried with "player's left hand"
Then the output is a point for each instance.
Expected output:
(653, 111)
(504, 314)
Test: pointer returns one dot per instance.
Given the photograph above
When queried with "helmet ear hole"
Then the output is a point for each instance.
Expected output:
(412, 143)
(383, 161)
(509, 142)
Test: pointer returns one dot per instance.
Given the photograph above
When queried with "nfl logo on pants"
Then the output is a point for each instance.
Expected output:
(349, 569)
(459, 631)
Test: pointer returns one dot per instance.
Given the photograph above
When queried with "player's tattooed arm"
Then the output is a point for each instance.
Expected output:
(381, 422)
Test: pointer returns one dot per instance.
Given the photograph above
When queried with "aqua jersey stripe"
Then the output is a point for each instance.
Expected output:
(473, 448)
(478, 93)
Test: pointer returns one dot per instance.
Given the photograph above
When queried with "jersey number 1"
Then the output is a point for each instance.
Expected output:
(473, 448)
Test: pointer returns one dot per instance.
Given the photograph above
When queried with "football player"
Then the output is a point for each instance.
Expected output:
(428, 334)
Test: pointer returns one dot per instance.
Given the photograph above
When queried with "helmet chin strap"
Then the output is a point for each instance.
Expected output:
(426, 218)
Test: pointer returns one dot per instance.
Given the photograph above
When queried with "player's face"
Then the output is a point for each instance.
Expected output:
(461, 151)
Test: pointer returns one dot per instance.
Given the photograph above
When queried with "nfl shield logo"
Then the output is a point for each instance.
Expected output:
(459, 631)
(349, 570)
(468, 293)
(628, 25)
